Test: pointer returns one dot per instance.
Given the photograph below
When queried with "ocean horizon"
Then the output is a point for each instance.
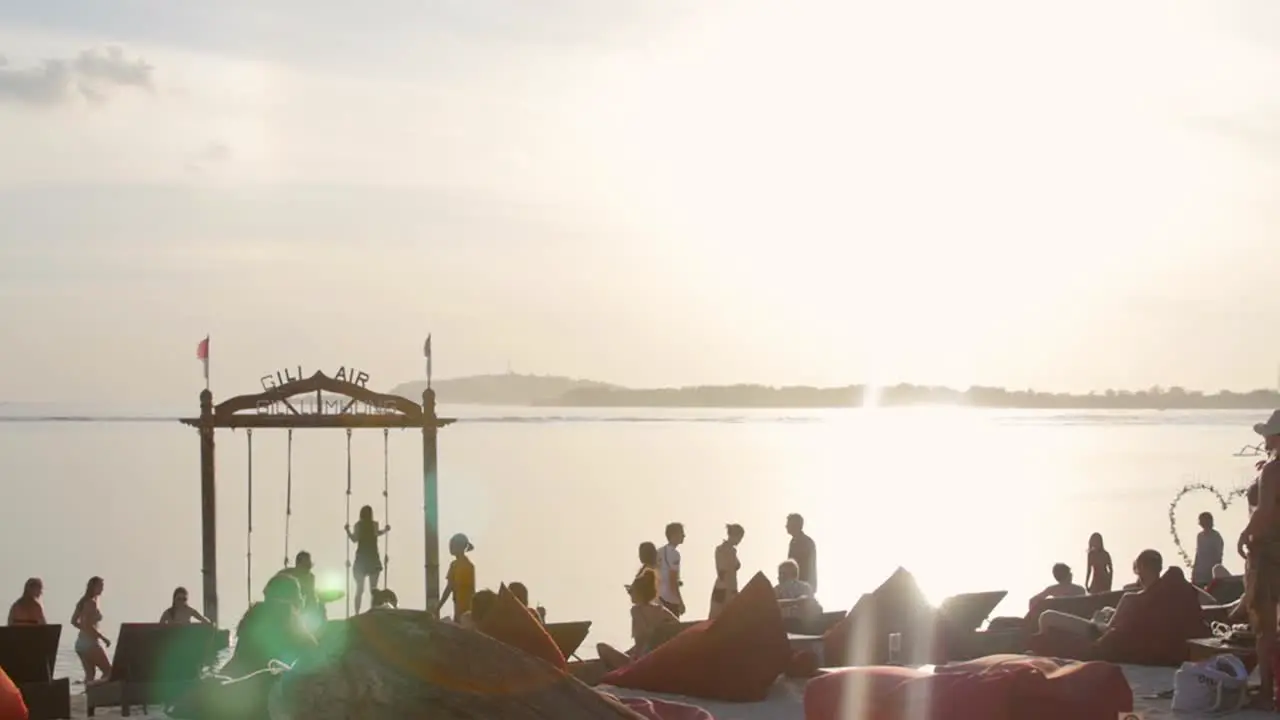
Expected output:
(558, 498)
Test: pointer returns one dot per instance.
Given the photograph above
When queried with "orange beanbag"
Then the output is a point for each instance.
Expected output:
(12, 706)
(510, 622)
(736, 657)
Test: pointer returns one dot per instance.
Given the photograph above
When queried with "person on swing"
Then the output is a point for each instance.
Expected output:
(368, 565)
(1261, 538)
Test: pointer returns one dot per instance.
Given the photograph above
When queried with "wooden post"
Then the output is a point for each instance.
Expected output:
(430, 499)
(208, 507)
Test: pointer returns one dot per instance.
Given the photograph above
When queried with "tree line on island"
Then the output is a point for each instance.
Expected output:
(556, 391)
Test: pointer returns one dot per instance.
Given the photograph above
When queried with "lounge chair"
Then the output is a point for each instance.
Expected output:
(966, 611)
(154, 665)
(27, 654)
(568, 636)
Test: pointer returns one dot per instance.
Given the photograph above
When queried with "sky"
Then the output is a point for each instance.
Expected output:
(649, 192)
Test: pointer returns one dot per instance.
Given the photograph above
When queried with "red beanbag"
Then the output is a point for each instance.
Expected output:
(897, 693)
(1048, 689)
(735, 657)
(12, 706)
(510, 622)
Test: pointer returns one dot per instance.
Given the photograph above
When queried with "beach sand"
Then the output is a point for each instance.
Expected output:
(786, 701)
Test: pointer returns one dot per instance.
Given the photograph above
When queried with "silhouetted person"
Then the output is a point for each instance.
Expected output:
(803, 550)
(669, 570)
(725, 588)
(1097, 578)
(1209, 548)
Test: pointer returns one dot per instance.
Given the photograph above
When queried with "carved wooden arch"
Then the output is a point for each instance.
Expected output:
(318, 383)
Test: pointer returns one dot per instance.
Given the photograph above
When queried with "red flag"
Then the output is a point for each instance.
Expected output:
(202, 354)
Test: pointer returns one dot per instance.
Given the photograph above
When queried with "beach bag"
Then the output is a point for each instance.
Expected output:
(1219, 684)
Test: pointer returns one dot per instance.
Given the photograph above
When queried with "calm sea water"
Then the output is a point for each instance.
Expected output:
(967, 499)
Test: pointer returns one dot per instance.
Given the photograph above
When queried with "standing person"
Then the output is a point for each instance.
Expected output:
(461, 579)
(180, 611)
(725, 587)
(1209, 547)
(1261, 537)
(28, 610)
(90, 642)
(367, 567)
(803, 550)
(1097, 578)
(313, 612)
(669, 570)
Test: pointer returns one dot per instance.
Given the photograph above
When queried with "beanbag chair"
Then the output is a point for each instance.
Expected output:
(736, 657)
(897, 606)
(12, 706)
(898, 693)
(1157, 635)
(510, 622)
(1051, 689)
(999, 687)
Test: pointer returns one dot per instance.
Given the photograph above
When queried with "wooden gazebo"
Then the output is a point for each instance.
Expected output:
(342, 401)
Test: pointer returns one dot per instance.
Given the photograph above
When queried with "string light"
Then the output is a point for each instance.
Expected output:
(1224, 500)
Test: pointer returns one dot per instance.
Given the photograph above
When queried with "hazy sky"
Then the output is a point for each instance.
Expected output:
(990, 192)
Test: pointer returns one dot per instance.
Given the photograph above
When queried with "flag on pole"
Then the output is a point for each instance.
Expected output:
(426, 353)
(202, 354)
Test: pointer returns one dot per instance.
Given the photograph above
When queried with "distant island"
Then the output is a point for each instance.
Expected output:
(555, 391)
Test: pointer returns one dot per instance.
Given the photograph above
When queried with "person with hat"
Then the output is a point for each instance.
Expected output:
(461, 578)
(1261, 538)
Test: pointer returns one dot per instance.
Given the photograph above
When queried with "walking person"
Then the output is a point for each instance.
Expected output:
(669, 570)
(725, 587)
(803, 550)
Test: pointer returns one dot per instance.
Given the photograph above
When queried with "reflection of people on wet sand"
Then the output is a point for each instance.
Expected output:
(1097, 579)
(1064, 587)
(1261, 537)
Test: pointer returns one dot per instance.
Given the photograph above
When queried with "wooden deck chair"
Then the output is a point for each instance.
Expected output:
(154, 665)
(568, 636)
(967, 611)
(28, 654)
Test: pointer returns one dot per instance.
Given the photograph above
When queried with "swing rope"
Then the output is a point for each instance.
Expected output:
(348, 544)
(288, 497)
(386, 507)
(248, 537)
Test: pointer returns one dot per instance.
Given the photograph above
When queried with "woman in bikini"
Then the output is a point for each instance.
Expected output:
(1098, 577)
(725, 587)
(91, 644)
(368, 565)
(1261, 538)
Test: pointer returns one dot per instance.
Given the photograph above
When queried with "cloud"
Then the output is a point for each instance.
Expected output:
(213, 153)
(95, 74)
